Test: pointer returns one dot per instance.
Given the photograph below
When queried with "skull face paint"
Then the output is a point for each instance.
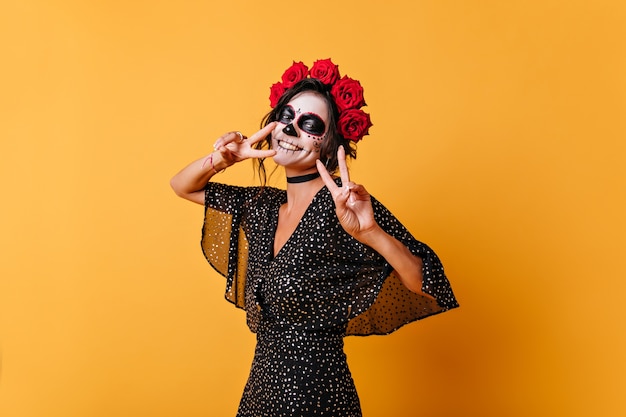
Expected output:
(310, 123)
(301, 130)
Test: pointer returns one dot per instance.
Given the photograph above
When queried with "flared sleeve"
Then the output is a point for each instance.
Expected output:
(322, 277)
(224, 241)
(395, 305)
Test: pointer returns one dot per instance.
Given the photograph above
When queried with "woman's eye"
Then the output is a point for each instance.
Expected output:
(286, 115)
(312, 124)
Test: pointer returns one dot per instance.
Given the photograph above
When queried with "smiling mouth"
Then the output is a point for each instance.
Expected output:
(290, 146)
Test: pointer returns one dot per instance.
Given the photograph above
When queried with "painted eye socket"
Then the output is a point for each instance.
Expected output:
(312, 124)
(286, 115)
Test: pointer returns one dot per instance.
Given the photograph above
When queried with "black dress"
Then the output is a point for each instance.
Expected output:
(321, 286)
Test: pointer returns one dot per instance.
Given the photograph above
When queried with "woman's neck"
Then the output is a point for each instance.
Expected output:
(298, 179)
(302, 191)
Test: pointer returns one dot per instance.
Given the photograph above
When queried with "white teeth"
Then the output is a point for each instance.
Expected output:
(289, 146)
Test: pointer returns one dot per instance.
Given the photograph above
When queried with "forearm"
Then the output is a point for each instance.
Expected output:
(189, 183)
(407, 266)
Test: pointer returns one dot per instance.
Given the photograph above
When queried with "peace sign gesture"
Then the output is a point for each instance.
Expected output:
(352, 201)
(235, 147)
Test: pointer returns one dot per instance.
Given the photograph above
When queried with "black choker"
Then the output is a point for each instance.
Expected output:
(302, 178)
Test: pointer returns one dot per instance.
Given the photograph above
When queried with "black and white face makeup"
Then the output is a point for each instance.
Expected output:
(309, 123)
(301, 130)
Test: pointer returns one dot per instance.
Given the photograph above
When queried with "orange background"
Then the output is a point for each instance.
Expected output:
(498, 138)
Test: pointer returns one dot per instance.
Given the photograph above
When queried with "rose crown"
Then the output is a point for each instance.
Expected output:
(353, 123)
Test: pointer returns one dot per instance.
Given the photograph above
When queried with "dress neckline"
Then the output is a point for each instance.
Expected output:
(275, 215)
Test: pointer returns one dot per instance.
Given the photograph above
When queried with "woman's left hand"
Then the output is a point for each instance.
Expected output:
(352, 201)
(353, 206)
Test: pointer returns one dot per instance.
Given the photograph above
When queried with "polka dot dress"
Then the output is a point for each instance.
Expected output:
(321, 286)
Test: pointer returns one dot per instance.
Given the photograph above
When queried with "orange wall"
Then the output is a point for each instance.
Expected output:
(498, 138)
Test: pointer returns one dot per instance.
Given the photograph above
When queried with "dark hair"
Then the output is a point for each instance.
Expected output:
(333, 140)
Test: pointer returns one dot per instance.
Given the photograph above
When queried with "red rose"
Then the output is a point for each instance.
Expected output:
(298, 71)
(325, 71)
(348, 94)
(353, 124)
(276, 92)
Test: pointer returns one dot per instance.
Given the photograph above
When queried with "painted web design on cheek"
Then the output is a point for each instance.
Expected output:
(317, 145)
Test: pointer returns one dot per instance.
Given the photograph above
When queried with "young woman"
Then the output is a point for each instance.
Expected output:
(315, 262)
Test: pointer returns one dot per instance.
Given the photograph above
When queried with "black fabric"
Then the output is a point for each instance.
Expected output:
(321, 286)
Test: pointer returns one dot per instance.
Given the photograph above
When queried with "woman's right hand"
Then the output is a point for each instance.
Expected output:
(231, 147)
(234, 147)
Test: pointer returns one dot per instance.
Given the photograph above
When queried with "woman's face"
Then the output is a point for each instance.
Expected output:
(301, 129)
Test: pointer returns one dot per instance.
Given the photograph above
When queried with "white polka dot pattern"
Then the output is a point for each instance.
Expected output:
(321, 286)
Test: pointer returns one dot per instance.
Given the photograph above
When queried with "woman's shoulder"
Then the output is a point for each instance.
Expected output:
(232, 198)
(245, 190)
(264, 196)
